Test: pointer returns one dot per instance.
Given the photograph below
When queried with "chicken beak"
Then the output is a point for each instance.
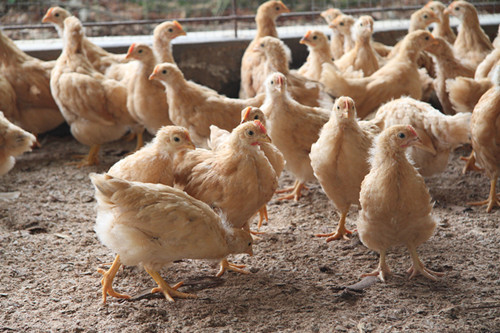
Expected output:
(245, 115)
(181, 30)
(417, 143)
(129, 52)
(250, 252)
(190, 145)
(154, 75)
(279, 83)
(305, 39)
(447, 11)
(46, 18)
(285, 8)
(266, 138)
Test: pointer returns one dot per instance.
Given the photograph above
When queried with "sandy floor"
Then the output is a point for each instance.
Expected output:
(49, 254)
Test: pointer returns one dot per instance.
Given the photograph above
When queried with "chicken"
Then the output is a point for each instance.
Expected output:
(218, 137)
(398, 77)
(253, 64)
(236, 178)
(304, 91)
(100, 59)
(464, 92)
(95, 107)
(8, 100)
(447, 66)
(13, 142)
(29, 79)
(485, 68)
(154, 225)
(146, 99)
(472, 44)
(343, 24)
(336, 38)
(340, 160)
(163, 34)
(319, 53)
(293, 127)
(485, 132)
(192, 106)
(395, 203)
(440, 134)
(442, 27)
(362, 56)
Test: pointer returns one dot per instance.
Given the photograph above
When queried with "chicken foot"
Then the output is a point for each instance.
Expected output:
(382, 270)
(227, 266)
(262, 216)
(470, 164)
(341, 231)
(107, 281)
(92, 158)
(418, 267)
(296, 190)
(493, 199)
(168, 291)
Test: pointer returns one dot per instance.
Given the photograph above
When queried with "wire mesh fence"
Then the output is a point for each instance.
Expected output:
(22, 19)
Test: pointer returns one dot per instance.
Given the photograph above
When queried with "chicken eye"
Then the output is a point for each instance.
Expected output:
(250, 244)
(426, 37)
(457, 8)
(272, 82)
(315, 37)
(342, 23)
(250, 133)
(140, 51)
(338, 107)
(401, 135)
(256, 117)
(170, 30)
(164, 71)
(176, 139)
(277, 8)
(261, 44)
(425, 16)
(56, 14)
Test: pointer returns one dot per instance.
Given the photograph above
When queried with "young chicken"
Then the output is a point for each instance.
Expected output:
(303, 90)
(440, 134)
(236, 178)
(95, 107)
(29, 78)
(464, 92)
(196, 108)
(293, 127)
(447, 66)
(319, 53)
(154, 225)
(163, 35)
(219, 136)
(13, 142)
(398, 77)
(395, 203)
(146, 99)
(343, 24)
(100, 59)
(8, 100)
(336, 38)
(362, 56)
(485, 130)
(253, 64)
(442, 28)
(485, 68)
(472, 44)
(340, 160)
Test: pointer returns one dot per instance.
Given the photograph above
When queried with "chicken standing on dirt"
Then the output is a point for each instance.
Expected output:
(293, 127)
(146, 99)
(236, 178)
(395, 203)
(29, 78)
(398, 77)
(252, 64)
(472, 44)
(485, 130)
(442, 28)
(154, 225)
(196, 108)
(153, 164)
(340, 160)
(163, 35)
(95, 107)
(440, 134)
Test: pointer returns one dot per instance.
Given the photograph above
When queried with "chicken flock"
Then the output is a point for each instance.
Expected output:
(355, 117)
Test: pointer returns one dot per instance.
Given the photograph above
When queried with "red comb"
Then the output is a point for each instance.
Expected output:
(308, 33)
(412, 130)
(131, 48)
(247, 112)
(262, 128)
(50, 10)
(187, 136)
(178, 25)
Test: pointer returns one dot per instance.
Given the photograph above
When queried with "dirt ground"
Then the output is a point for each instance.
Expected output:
(49, 254)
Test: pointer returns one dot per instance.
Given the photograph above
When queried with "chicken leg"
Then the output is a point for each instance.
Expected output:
(262, 216)
(493, 199)
(341, 231)
(296, 190)
(107, 281)
(226, 265)
(418, 266)
(92, 158)
(382, 270)
(168, 291)
(470, 164)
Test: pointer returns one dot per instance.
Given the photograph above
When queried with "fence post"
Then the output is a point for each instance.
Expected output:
(235, 19)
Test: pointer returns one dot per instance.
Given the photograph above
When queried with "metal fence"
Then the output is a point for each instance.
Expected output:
(21, 19)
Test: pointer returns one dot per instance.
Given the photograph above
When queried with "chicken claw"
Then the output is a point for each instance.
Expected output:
(296, 190)
(92, 158)
(470, 164)
(262, 216)
(107, 281)
(168, 291)
(493, 199)
(226, 265)
(382, 270)
(340, 233)
(418, 267)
